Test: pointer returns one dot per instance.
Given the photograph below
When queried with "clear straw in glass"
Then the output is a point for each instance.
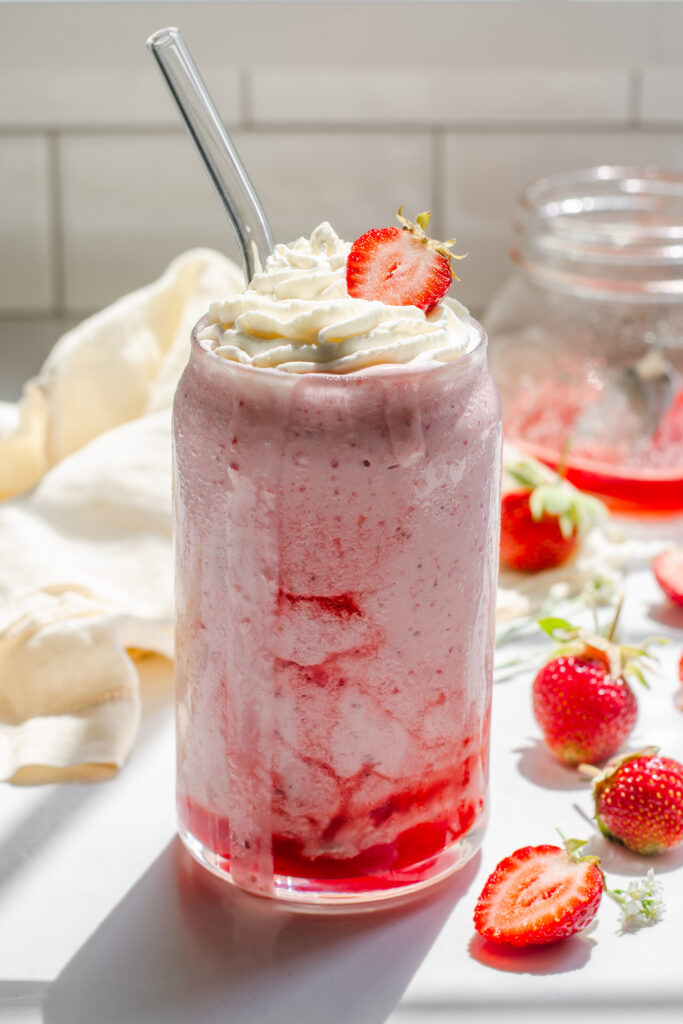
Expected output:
(215, 147)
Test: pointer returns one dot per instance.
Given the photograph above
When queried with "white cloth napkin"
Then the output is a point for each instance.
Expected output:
(85, 556)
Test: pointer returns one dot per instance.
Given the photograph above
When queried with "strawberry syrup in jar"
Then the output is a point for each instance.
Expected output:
(337, 551)
(587, 336)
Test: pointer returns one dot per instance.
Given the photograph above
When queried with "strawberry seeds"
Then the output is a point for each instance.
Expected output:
(401, 266)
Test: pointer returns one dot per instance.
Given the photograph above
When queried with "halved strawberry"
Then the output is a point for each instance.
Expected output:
(538, 895)
(400, 266)
(668, 570)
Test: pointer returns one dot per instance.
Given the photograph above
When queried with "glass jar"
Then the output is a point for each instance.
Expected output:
(586, 338)
(337, 553)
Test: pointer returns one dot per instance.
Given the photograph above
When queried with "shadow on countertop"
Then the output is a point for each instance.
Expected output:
(183, 946)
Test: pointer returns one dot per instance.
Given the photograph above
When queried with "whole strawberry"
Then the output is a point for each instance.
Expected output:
(543, 519)
(639, 801)
(581, 698)
(585, 713)
(538, 895)
(400, 266)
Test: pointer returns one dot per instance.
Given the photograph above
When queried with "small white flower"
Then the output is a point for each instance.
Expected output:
(600, 591)
(641, 904)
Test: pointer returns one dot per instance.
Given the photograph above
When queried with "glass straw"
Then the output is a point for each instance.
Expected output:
(220, 157)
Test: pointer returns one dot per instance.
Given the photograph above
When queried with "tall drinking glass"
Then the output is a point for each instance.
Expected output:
(337, 552)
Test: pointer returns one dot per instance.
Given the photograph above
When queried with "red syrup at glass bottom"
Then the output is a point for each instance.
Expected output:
(382, 866)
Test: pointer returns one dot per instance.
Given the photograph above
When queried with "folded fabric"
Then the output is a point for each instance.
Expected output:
(85, 557)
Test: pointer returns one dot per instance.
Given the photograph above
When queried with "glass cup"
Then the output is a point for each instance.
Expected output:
(337, 554)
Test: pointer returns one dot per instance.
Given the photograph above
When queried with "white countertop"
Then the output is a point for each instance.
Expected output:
(105, 919)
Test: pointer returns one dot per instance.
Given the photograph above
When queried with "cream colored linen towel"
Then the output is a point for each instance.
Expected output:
(85, 556)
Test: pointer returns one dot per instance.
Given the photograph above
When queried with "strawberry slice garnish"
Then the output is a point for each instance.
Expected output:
(668, 570)
(540, 894)
(400, 266)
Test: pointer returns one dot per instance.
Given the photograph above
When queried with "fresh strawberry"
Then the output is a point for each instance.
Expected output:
(668, 570)
(400, 266)
(539, 894)
(542, 520)
(532, 543)
(639, 801)
(581, 697)
(585, 714)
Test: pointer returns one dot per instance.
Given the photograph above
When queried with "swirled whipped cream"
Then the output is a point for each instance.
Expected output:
(297, 315)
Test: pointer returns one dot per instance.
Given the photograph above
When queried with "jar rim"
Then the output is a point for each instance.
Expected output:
(604, 231)
(628, 205)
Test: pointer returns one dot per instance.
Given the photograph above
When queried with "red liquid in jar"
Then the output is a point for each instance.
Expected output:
(543, 423)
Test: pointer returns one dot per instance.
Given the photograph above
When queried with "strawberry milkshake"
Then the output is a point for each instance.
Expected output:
(337, 463)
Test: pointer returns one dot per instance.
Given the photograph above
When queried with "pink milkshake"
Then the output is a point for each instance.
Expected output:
(337, 472)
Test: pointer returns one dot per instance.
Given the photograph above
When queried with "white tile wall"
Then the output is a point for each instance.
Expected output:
(349, 178)
(484, 174)
(34, 96)
(662, 96)
(341, 110)
(426, 96)
(349, 33)
(25, 228)
(130, 204)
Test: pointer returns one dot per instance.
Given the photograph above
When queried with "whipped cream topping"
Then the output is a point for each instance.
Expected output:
(297, 315)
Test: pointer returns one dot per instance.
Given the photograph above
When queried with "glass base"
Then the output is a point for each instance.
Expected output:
(352, 893)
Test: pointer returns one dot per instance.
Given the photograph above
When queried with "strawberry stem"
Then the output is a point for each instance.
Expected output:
(617, 613)
(564, 457)
(573, 846)
(418, 230)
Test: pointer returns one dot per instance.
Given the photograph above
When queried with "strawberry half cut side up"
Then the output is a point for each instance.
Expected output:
(668, 570)
(401, 266)
(539, 895)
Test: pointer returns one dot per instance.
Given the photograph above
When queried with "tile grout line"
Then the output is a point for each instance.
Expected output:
(56, 223)
(361, 128)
